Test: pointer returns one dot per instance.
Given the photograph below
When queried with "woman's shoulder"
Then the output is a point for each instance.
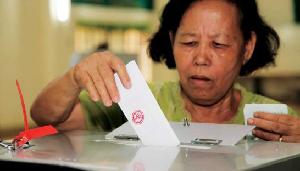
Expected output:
(251, 97)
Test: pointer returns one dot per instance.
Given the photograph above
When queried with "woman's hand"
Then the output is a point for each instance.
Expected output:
(276, 127)
(96, 75)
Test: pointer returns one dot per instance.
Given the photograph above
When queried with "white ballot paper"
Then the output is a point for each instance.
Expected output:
(250, 109)
(143, 112)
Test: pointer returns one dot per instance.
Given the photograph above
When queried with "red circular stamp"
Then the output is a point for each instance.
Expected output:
(138, 166)
(137, 117)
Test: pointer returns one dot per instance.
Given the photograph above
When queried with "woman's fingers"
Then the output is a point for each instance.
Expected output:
(270, 126)
(274, 126)
(96, 75)
(119, 67)
(90, 86)
(108, 79)
(279, 118)
(275, 137)
(265, 135)
(101, 88)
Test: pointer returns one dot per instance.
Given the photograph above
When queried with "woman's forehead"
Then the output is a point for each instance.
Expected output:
(217, 8)
(213, 15)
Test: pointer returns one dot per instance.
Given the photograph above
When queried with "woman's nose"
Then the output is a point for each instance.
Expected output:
(202, 56)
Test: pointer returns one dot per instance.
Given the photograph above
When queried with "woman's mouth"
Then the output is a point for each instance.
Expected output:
(200, 81)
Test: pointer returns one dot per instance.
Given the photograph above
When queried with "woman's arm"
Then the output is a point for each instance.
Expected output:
(58, 103)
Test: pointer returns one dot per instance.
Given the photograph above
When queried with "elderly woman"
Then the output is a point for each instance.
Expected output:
(210, 43)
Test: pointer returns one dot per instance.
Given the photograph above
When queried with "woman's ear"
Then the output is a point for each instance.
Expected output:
(249, 49)
(171, 36)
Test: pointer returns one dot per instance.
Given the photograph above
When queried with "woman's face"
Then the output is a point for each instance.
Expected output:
(209, 50)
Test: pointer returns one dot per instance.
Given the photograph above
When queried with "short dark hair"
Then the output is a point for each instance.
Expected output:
(267, 43)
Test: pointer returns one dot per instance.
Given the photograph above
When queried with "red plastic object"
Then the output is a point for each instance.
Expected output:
(29, 134)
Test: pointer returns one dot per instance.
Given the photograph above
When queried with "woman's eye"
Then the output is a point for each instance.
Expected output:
(219, 45)
(191, 44)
